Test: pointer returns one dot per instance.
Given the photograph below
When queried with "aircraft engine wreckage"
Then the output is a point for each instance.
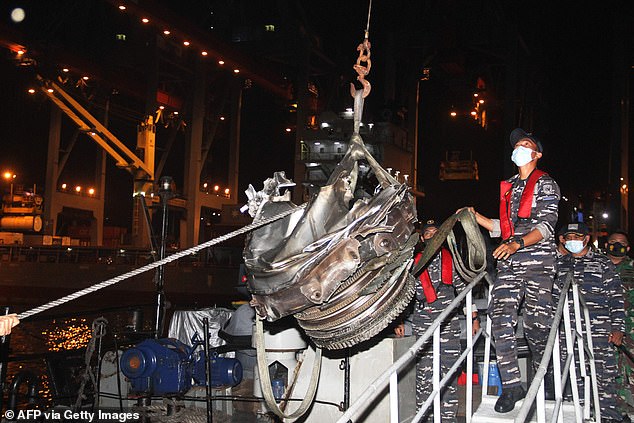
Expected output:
(341, 264)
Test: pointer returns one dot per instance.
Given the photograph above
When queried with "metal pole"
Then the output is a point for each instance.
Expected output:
(4, 358)
(160, 280)
(210, 417)
(345, 366)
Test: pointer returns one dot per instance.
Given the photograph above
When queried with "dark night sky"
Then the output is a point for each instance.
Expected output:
(569, 55)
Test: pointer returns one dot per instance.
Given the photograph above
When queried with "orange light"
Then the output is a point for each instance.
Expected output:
(176, 113)
(453, 114)
(31, 91)
(166, 32)
(473, 113)
(8, 175)
(85, 78)
(91, 191)
(216, 187)
(221, 62)
(161, 107)
(145, 20)
(20, 52)
(64, 186)
(481, 101)
(78, 188)
(204, 53)
(236, 71)
(65, 70)
(186, 43)
(122, 7)
(50, 90)
(227, 191)
(475, 94)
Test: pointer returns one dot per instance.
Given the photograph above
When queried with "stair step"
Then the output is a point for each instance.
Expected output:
(487, 414)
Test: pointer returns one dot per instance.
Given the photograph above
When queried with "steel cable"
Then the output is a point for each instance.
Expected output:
(153, 265)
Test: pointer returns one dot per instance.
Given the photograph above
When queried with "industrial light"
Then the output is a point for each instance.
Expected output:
(186, 43)
(221, 62)
(122, 7)
(64, 186)
(78, 188)
(317, 143)
(65, 70)
(453, 113)
(475, 94)
(605, 215)
(91, 191)
(166, 32)
(481, 101)
(31, 91)
(204, 53)
(325, 125)
(85, 78)
(236, 71)
(145, 20)
(222, 118)
(8, 175)
(162, 107)
(216, 187)
(50, 90)
(473, 113)
(227, 191)
(20, 52)
(176, 113)
(288, 129)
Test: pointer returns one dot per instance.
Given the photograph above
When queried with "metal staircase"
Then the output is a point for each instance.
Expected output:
(534, 407)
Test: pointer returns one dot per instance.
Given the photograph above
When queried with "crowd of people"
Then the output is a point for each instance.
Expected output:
(531, 269)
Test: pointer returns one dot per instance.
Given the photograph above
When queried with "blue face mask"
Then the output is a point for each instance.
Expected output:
(574, 246)
(522, 155)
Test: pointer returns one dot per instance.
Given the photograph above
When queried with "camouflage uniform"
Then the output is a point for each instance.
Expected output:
(423, 316)
(526, 275)
(600, 286)
(625, 269)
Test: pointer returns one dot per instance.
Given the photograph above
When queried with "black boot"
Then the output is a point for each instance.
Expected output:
(509, 397)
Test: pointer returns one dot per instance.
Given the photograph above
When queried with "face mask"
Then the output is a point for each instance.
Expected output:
(522, 155)
(617, 249)
(574, 246)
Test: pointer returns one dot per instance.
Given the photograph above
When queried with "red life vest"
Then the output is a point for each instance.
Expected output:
(446, 275)
(526, 202)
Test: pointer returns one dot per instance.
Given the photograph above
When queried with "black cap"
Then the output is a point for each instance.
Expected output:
(519, 134)
(576, 228)
(431, 223)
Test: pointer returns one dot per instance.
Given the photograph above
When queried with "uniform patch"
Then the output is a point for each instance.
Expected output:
(548, 189)
(593, 268)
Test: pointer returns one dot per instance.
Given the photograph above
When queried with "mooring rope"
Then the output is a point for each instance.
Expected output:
(153, 265)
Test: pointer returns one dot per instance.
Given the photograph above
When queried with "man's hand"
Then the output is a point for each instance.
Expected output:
(7, 323)
(506, 250)
(616, 337)
(399, 330)
(476, 327)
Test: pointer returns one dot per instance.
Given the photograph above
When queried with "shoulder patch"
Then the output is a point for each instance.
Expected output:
(548, 188)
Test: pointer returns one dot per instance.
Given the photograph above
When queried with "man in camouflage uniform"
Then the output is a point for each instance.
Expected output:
(526, 263)
(617, 249)
(435, 290)
(600, 286)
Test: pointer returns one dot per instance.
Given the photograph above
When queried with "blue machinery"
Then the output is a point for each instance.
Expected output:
(169, 367)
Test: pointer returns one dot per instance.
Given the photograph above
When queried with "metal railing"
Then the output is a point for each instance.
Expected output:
(390, 375)
(536, 390)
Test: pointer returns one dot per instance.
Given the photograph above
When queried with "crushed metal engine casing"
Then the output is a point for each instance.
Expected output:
(341, 264)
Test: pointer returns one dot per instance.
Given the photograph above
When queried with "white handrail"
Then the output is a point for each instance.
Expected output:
(376, 388)
(552, 349)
